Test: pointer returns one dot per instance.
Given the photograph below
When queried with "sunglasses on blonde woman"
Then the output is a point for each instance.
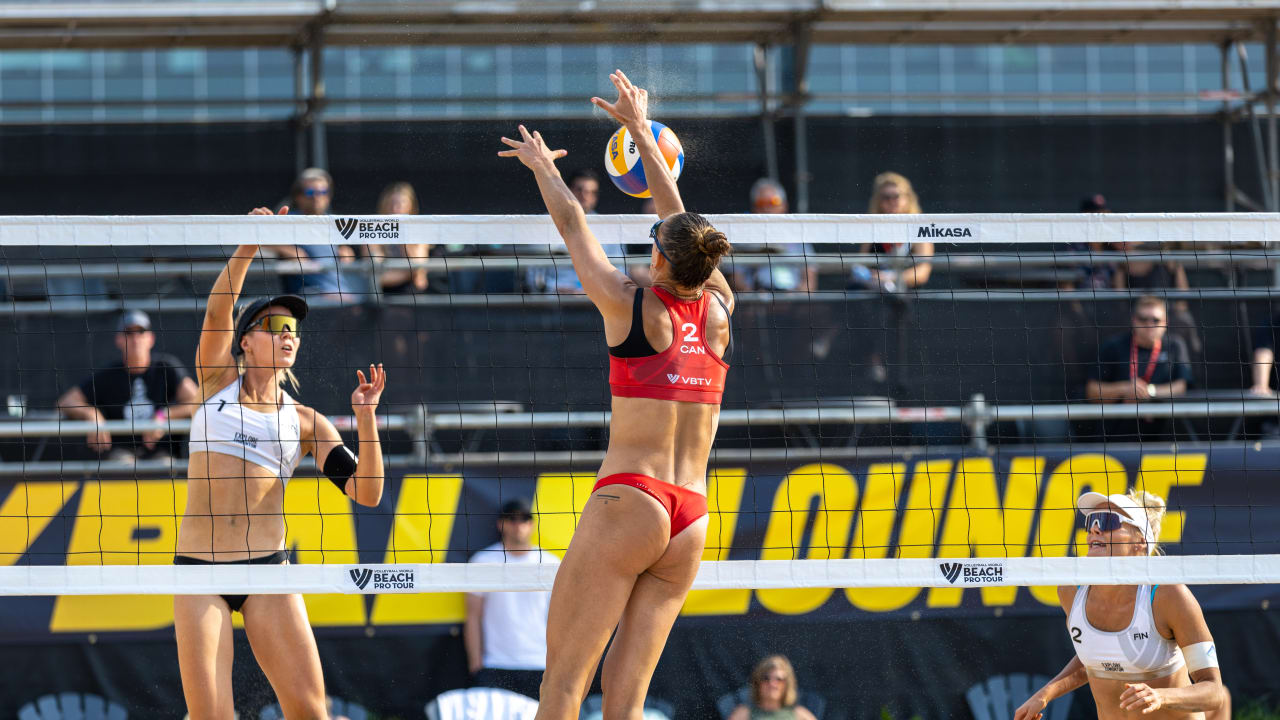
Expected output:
(276, 324)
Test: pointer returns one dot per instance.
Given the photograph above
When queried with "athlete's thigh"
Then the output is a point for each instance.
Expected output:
(202, 626)
(616, 539)
(651, 611)
(285, 647)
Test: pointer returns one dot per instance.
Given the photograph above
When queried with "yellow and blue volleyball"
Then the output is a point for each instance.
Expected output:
(622, 160)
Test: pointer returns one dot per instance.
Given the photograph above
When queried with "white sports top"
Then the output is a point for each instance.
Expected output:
(271, 440)
(1139, 652)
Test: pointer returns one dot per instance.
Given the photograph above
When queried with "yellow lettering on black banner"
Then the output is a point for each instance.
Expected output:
(978, 522)
(724, 501)
(837, 495)
(27, 511)
(1159, 474)
(122, 523)
(420, 532)
(919, 528)
(1056, 531)
(320, 528)
(557, 501)
(874, 527)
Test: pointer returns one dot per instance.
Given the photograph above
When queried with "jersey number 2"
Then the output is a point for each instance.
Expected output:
(1075, 634)
(690, 332)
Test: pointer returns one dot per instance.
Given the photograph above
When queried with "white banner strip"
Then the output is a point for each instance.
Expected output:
(1008, 228)
(729, 574)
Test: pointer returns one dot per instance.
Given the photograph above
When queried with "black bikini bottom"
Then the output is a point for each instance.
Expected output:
(235, 602)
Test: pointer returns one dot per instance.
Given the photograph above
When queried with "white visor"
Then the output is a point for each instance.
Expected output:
(1135, 514)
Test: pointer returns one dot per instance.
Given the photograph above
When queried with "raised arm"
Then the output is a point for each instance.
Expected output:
(632, 110)
(609, 288)
(213, 355)
(359, 475)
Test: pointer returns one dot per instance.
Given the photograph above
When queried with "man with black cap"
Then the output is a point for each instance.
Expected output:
(506, 632)
(144, 386)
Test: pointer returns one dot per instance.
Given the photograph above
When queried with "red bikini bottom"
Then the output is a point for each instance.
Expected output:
(684, 506)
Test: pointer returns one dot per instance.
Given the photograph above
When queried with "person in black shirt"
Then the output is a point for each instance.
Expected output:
(142, 387)
(1144, 365)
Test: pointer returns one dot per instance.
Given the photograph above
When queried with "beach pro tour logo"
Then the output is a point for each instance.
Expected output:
(950, 571)
(361, 576)
(368, 228)
(383, 579)
(972, 573)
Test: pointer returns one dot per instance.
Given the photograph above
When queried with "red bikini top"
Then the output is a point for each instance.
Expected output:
(687, 371)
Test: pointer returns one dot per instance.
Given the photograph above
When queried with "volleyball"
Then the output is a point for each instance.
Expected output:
(623, 161)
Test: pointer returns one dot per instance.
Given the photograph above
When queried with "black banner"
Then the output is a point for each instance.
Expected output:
(394, 652)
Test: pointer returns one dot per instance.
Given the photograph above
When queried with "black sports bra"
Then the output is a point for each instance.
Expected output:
(637, 345)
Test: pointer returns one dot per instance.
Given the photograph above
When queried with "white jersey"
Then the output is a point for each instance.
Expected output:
(271, 440)
(1138, 652)
(514, 624)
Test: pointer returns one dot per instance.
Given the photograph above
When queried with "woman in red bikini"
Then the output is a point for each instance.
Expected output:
(639, 541)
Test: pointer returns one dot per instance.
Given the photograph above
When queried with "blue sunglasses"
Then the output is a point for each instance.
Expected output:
(653, 235)
(1104, 520)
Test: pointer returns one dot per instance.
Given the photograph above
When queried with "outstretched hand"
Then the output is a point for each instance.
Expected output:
(632, 106)
(532, 150)
(369, 391)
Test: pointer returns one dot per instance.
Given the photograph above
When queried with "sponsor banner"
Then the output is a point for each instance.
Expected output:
(964, 517)
(380, 578)
(360, 229)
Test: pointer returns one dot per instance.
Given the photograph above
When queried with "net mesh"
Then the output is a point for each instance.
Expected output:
(892, 419)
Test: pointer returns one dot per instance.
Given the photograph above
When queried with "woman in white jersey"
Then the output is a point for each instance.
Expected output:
(246, 439)
(1144, 650)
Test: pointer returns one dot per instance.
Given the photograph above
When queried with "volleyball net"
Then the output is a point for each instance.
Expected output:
(892, 419)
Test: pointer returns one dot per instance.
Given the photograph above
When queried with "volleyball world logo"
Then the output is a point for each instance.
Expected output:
(950, 571)
(360, 576)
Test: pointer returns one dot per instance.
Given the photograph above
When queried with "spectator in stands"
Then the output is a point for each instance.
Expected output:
(892, 194)
(773, 693)
(1146, 364)
(505, 633)
(1154, 275)
(400, 199)
(789, 272)
(144, 386)
(1264, 357)
(312, 194)
(1093, 276)
(585, 186)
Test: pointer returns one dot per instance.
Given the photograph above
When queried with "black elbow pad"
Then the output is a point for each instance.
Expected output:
(340, 466)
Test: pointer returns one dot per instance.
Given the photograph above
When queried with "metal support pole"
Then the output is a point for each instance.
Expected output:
(300, 112)
(764, 81)
(1228, 147)
(799, 98)
(319, 146)
(1256, 128)
(1273, 150)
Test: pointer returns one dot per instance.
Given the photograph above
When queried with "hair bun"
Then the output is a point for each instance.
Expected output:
(712, 243)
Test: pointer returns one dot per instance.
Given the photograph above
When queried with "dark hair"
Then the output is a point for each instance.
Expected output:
(583, 174)
(693, 246)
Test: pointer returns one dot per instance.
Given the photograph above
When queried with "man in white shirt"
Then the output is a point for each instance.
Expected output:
(506, 632)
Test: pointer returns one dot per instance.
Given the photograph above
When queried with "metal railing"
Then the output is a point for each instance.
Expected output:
(977, 416)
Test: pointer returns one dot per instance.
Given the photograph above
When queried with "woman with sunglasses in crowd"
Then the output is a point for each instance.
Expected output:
(773, 693)
(246, 439)
(1144, 650)
(638, 543)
